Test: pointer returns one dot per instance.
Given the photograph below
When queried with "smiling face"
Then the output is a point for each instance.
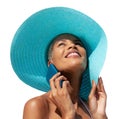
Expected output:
(68, 54)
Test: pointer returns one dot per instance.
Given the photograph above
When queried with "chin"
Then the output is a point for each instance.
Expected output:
(77, 66)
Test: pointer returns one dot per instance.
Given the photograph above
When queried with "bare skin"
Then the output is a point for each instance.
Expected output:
(64, 102)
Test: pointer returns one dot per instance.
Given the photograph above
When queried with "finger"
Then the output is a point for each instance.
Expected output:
(98, 85)
(93, 90)
(52, 85)
(56, 75)
(102, 85)
(52, 81)
(65, 85)
(59, 80)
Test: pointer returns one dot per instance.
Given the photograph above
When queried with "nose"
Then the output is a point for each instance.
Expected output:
(72, 46)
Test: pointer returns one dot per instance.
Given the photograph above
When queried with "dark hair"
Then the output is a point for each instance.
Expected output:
(69, 36)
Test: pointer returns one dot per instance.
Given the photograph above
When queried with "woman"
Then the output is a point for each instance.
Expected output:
(70, 58)
(71, 55)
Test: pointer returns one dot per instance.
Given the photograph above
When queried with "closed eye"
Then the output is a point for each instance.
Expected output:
(61, 44)
(79, 43)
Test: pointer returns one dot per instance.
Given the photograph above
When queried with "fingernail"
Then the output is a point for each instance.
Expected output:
(58, 73)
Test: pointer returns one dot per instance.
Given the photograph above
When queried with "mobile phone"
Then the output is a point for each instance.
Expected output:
(52, 70)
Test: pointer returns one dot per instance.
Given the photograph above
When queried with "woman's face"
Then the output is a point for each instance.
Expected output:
(69, 56)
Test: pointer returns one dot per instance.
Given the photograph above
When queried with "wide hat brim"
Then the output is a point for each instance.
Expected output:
(30, 44)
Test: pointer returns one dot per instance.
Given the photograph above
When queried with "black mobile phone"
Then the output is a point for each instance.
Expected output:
(52, 70)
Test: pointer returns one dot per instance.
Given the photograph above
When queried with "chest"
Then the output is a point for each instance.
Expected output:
(80, 114)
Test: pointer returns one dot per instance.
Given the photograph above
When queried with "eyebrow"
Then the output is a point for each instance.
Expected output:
(73, 41)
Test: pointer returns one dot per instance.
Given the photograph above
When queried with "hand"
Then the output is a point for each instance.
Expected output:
(60, 96)
(97, 100)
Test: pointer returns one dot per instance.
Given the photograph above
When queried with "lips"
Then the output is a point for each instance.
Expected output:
(73, 54)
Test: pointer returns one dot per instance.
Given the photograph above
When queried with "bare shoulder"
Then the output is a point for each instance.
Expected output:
(36, 107)
(38, 101)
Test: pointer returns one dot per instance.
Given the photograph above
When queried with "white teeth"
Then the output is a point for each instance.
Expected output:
(73, 54)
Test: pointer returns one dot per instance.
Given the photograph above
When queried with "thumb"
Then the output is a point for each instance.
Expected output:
(93, 89)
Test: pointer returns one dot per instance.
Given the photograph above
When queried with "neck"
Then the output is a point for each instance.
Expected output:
(75, 82)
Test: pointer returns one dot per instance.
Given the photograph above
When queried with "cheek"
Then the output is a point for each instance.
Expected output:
(55, 56)
(84, 64)
(84, 60)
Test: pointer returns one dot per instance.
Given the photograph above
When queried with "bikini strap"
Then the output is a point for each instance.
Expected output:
(86, 107)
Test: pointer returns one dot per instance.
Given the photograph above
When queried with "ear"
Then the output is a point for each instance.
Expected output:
(49, 62)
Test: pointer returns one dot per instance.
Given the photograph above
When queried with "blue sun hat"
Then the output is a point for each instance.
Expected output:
(30, 44)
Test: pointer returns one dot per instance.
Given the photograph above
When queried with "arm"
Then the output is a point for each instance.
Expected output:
(33, 109)
(97, 100)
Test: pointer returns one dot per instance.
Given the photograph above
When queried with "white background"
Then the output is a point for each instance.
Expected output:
(13, 92)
